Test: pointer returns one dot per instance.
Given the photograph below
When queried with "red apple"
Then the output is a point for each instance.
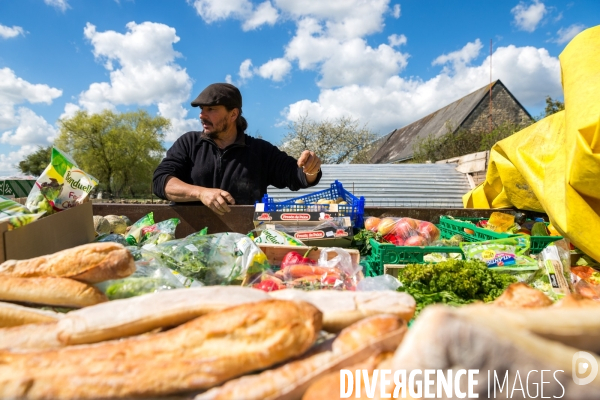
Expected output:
(394, 239)
(429, 231)
(415, 241)
(406, 227)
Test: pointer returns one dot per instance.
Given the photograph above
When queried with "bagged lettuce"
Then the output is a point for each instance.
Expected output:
(16, 214)
(62, 185)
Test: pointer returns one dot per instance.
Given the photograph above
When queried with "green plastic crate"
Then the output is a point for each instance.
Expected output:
(449, 227)
(387, 253)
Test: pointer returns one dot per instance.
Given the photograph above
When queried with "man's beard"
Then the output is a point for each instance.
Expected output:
(220, 127)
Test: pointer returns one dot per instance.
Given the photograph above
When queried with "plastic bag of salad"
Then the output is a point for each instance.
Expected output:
(62, 185)
(16, 214)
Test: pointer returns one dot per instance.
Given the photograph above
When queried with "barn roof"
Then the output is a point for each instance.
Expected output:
(398, 145)
(392, 185)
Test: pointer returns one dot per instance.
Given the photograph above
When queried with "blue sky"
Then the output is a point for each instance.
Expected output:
(386, 63)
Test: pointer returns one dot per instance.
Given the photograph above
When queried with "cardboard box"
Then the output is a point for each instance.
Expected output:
(60, 231)
(305, 226)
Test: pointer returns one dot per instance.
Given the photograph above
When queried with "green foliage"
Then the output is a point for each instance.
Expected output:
(552, 107)
(120, 150)
(456, 144)
(452, 282)
(335, 142)
(36, 163)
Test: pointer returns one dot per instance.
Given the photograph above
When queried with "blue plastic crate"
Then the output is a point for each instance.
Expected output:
(355, 208)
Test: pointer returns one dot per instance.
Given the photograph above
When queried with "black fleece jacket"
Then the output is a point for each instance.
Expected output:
(244, 168)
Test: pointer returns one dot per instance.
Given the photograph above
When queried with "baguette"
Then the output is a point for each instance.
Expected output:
(196, 355)
(293, 377)
(50, 291)
(343, 308)
(91, 263)
(328, 386)
(14, 315)
(30, 337)
(136, 315)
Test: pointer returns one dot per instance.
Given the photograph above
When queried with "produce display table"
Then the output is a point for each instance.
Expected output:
(195, 217)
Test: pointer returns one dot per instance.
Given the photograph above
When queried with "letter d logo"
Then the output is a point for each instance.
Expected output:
(585, 368)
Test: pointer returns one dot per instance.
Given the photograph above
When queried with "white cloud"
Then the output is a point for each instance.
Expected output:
(275, 70)
(62, 5)
(31, 129)
(527, 18)
(15, 90)
(7, 32)
(343, 19)
(8, 162)
(529, 73)
(460, 57)
(396, 11)
(142, 72)
(265, 13)
(565, 35)
(397, 40)
(246, 69)
(252, 17)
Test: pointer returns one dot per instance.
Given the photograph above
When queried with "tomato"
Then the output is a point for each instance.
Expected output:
(267, 286)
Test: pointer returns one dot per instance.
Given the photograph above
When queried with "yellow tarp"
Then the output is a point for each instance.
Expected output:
(553, 166)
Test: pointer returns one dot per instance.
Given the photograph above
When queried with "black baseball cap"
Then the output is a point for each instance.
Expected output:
(219, 94)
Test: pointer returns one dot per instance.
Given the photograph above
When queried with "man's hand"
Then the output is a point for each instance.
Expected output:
(310, 164)
(216, 200)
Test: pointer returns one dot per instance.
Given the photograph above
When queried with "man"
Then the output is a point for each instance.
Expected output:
(221, 165)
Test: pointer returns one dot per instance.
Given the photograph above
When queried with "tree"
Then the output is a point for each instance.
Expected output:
(553, 106)
(35, 163)
(335, 142)
(455, 144)
(120, 150)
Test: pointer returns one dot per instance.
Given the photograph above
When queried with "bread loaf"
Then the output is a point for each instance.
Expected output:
(343, 308)
(50, 291)
(127, 317)
(92, 263)
(328, 386)
(294, 377)
(196, 355)
(519, 295)
(30, 337)
(447, 338)
(14, 315)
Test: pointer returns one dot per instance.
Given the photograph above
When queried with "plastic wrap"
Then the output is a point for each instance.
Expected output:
(337, 273)
(404, 231)
(62, 185)
(16, 214)
(273, 236)
(150, 276)
(554, 275)
(216, 259)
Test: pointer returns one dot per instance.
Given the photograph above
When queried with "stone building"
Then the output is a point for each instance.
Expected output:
(471, 113)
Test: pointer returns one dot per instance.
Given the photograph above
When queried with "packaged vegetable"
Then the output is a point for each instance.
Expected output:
(299, 272)
(273, 236)
(403, 231)
(135, 234)
(111, 237)
(62, 185)
(159, 232)
(554, 277)
(16, 214)
(150, 276)
(217, 259)
(501, 253)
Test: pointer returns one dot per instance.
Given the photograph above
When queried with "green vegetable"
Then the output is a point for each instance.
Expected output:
(361, 242)
(452, 282)
(131, 287)
(539, 229)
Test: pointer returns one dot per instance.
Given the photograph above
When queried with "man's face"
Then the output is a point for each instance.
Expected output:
(215, 120)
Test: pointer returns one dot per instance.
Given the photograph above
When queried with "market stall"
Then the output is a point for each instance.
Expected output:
(313, 297)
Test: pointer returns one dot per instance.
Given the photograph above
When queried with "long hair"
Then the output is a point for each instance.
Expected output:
(240, 123)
